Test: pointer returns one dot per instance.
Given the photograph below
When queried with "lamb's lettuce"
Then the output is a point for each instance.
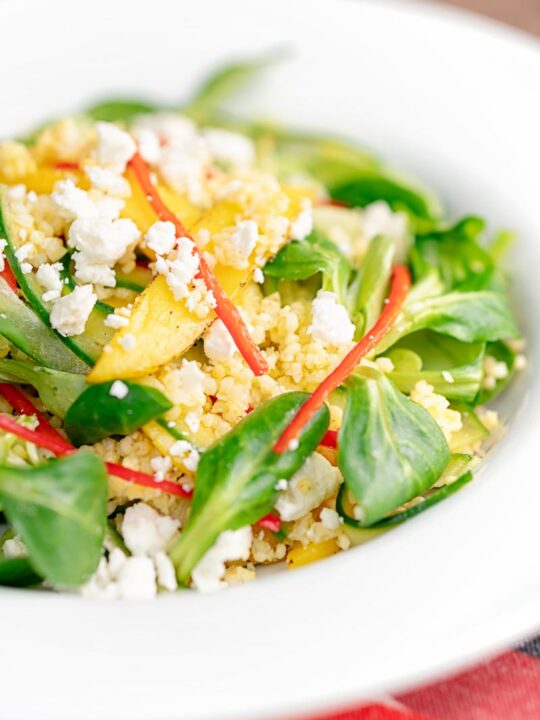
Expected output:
(237, 476)
(98, 411)
(59, 510)
(390, 450)
(301, 259)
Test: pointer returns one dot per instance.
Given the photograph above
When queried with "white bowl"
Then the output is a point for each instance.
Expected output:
(453, 100)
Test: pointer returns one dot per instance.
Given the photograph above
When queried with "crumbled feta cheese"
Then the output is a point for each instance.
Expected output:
(119, 390)
(160, 467)
(72, 201)
(316, 481)
(166, 574)
(145, 531)
(331, 324)
(230, 148)
(303, 225)
(281, 484)
(378, 219)
(108, 181)
(137, 579)
(161, 237)
(258, 276)
(245, 238)
(230, 545)
(330, 519)
(14, 548)
(116, 321)
(99, 244)
(48, 276)
(180, 269)
(218, 343)
(183, 166)
(187, 453)
(192, 421)
(438, 407)
(70, 312)
(170, 128)
(115, 147)
(148, 143)
(293, 445)
(3, 244)
(128, 341)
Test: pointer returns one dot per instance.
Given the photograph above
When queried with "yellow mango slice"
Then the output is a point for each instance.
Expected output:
(43, 180)
(161, 328)
(138, 209)
(300, 555)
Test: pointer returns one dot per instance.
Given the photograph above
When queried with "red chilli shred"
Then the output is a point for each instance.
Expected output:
(225, 309)
(47, 437)
(9, 277)
(270, 522)
(401, 283)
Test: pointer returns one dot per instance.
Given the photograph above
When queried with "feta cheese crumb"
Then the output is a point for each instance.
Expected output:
(303, 225)
(378, 219)
(99, 244)
(293, 445)
(145, 531)
(128, 341)
(258, 276)
(160, 467)
(193, 421)
(108, 181)
(230, 545)
(116, 321)
(72, 201)
(48, 276)
(281, 484)
(161, 237)
(115, 147)
(149, 145)
(137, 579)
(330, 519)
(316, 481)
(180, 269)
(218, 343)
(385, 365)
(70, 313)
(245, 238)
(119, 390)
(166, 573)
(331, 324)
(230, 148)
(189, 455)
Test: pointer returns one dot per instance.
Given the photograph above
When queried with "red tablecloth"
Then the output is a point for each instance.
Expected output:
(505, 688)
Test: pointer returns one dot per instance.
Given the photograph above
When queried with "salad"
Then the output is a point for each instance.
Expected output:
(226, 344)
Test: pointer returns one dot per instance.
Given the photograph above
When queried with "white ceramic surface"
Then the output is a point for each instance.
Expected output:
(455, 101)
